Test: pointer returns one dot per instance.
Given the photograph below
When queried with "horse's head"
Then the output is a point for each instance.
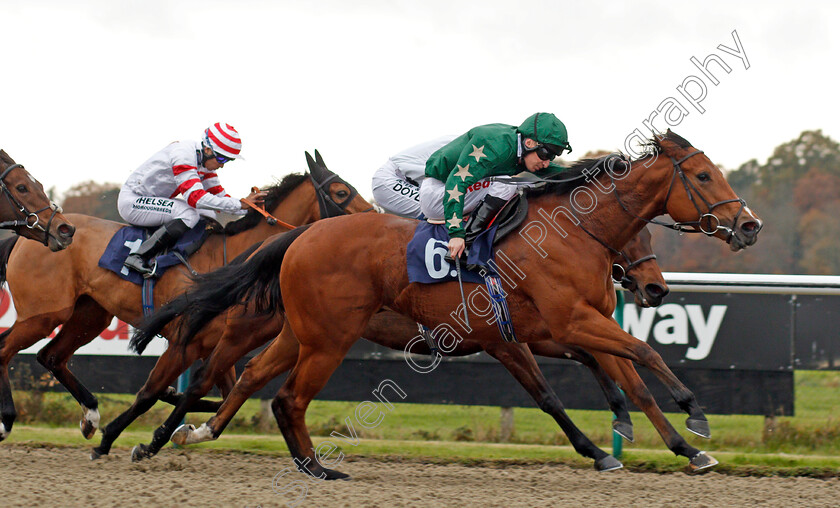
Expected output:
(335, 196)
(26, 209)
(638, 272)
(701, 199)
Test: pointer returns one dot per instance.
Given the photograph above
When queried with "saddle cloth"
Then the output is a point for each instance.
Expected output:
(426, 252)
(126, 240)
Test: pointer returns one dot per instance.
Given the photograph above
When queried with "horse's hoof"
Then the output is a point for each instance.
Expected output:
(623, 429)
(608, 463)
(701, 461)
(88, 430)
(336, 475)
(179, 437)
(139, 453)
(96, 454)
(699, 427)
(3, 432)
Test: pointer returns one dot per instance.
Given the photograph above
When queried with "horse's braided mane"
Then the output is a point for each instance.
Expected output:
(276, 194)
(572, 178)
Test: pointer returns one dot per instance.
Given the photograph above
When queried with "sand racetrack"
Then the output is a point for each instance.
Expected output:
(46, 476)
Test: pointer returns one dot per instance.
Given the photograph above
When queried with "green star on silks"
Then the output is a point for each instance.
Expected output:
(454, 222)
(478, 152)
(463, 172)
(454, 194)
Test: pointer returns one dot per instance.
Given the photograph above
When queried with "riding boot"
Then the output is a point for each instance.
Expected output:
(163, 238)
(482, 216)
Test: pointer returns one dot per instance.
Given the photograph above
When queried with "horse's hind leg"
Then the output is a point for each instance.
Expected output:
(622, 424)
(623, 371)
(309, 376)
(280, 355)
(169, 366)
(7, 404)
(86, 322)
(519, 361)
(234, 343)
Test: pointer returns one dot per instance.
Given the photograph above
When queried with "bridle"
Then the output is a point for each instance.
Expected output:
(683, 227)
(30, 219)
(327, 206)
(690, 189)
(623, 279)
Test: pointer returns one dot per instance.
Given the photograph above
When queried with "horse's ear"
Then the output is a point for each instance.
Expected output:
(313, 166)
(319, 159)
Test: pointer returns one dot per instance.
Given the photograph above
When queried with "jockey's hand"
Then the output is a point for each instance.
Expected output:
(456, 247)
(257, 198)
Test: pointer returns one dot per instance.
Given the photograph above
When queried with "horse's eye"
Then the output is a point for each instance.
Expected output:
(342, 194)
(21, 188)
(704, 177)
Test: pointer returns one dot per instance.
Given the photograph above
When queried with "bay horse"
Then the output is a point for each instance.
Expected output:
(26, 210)
(640, 273)
(87, 297)
(330, 278)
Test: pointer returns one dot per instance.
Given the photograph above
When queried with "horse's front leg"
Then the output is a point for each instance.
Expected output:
(519, 361)
(589, 329)
(87, 321)
(623, 371)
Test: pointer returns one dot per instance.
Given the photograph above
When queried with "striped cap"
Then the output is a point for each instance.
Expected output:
(224, 140)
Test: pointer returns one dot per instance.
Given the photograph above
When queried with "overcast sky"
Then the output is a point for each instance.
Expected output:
(90, 89)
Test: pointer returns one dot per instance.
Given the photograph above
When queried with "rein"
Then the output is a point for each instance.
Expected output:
(270, 219)
(30, 219)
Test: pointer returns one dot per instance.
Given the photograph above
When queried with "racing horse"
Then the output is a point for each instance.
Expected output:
(26, 210)
(636, 265)
(87, 297)
(330, 278)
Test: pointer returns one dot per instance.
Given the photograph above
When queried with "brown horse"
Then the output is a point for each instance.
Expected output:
(335, 275)
(389, 329)
(86, 298)
(26, 210)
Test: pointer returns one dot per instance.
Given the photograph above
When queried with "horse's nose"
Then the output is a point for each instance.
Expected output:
(655, 293)
(66, 231)
(750, 228)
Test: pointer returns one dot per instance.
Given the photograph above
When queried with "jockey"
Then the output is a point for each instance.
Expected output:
(396, 185)
(488, 150)
(187, 168)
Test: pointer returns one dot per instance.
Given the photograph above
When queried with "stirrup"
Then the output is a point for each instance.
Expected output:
(153, 270)
(146, 271)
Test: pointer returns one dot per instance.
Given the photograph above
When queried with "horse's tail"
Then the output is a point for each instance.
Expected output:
(6, 251)
(255, 279)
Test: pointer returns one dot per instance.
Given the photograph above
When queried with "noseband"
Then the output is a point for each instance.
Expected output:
(30, 219)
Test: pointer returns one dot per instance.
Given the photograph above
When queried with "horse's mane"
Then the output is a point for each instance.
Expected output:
(573, 177)
(570, 179)
(276, 194)
(654, 147)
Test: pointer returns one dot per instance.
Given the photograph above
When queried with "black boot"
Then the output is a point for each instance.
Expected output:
(163, 238)
(481, 217)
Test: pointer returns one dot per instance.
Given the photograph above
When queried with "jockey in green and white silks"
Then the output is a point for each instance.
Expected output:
(396, 185)
(488, 150)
